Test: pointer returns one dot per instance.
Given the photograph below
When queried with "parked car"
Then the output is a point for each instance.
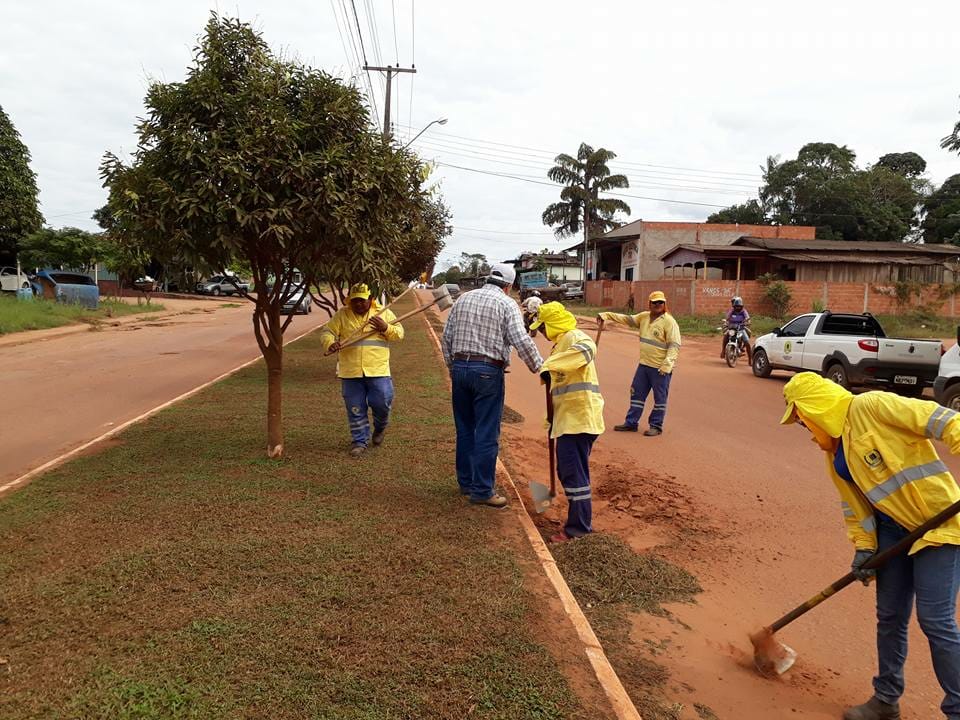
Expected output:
(222, 285)
(9, 282)
(66, 287)
(298, 303)
(453, 289)
(852, 350)
(946, 388)
(573, 291)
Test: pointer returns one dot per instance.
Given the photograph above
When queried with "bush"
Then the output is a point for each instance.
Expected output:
(777, 295)
(818, 306)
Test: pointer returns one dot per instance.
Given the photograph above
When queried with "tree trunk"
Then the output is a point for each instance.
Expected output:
(273, 355)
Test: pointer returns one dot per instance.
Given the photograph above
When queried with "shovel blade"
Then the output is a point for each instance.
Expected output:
(770, 656)
(541, 496)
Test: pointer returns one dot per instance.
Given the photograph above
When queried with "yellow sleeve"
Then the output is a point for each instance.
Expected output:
(858, 515)
(621, 319)
(330, 332)
(924, 418)
(673, 346)
(576, 356)
(393, 333)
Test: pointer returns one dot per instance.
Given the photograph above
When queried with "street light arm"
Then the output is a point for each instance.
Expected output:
(439, 121)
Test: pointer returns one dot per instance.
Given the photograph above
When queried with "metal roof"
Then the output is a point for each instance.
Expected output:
(864, 258)
(849, 246)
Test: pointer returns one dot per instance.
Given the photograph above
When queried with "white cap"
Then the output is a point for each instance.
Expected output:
(502, 274)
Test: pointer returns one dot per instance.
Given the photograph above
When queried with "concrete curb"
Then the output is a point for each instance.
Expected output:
(619, 699)
(59, 460)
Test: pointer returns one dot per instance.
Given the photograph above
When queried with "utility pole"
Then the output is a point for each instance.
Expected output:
(390, 70)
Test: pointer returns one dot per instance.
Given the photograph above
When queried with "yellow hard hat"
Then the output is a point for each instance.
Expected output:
(359, 290)
(657, 296)
(819, 400)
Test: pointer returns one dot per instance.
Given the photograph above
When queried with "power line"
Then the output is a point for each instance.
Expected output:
(393, 12)
(413, 59)
(636, 177)
(499, 232)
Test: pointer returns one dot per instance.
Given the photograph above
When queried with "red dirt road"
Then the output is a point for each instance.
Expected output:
(745, 504)
(61, 393)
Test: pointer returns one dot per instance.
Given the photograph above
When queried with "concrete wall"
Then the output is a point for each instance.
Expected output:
(712, 297)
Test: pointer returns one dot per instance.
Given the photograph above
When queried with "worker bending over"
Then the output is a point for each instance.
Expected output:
(577, 411)
(363, 367)
(659, 349)
(882, 461)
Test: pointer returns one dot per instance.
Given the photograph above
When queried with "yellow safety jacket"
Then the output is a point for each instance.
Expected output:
(371, 356)
(659, 339)
(888, 449)
(574, 386)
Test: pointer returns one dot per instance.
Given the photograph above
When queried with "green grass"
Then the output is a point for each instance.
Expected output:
(37, 314)
(181, 574)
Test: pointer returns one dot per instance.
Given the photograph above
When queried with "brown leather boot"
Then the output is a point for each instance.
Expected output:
(873, 709)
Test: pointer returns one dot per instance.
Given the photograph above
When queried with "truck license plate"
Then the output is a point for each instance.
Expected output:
(905, 379)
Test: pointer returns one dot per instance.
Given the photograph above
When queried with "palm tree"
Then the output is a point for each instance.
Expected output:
(581, 206)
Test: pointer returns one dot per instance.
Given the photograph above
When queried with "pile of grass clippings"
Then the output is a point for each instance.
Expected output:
(602, 569)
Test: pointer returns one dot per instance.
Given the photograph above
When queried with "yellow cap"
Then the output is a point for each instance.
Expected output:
(359, 290)
(657, 296)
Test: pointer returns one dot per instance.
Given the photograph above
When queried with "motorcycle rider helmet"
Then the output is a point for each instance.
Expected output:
(737, 302)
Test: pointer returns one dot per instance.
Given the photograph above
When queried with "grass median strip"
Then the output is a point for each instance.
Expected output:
(180, 574)
(38, 314)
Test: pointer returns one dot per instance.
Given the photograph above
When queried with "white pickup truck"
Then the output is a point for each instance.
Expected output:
(851, 350)
(946, 388)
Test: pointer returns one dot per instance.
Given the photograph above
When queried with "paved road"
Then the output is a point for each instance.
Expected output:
(60, 393)
(764, 487)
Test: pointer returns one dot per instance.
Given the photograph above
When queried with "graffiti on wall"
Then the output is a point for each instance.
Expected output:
(717, 291)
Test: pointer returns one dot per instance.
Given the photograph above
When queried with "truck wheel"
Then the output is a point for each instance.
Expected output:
(836, 373)
(761, 365)
(951, 397)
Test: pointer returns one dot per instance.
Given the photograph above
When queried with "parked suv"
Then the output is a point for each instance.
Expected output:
(222, 285)
(946, 388)
(9, 282)
(852, 350)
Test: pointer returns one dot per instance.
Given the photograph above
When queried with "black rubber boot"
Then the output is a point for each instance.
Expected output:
(873, 709)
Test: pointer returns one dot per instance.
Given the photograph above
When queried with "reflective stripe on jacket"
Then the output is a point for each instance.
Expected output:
(371, 356)
(659, 339)
(575, 388)
(888, 448)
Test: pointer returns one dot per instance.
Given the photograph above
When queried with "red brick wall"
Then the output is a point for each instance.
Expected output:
(712, 297)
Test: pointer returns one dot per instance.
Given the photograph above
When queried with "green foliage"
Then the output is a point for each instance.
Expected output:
(777, 295)
(580, 206)
(817, 306)
(67, 247)
(748, 213)
(952, 141)
(908, 164)
(19, 215)
(474, 264)
(941, 222)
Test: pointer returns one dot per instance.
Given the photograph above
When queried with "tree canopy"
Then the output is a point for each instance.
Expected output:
(581, 207)
(824, 187)
(941, 222)
(265, 161)
(68, 247)
(19, 214)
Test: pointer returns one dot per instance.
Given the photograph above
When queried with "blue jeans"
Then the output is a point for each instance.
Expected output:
(478, 392)
(573, 469)
(933, 577)
(644, 380)
(362, 394)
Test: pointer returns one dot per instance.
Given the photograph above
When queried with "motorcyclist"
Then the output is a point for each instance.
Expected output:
(737, 316)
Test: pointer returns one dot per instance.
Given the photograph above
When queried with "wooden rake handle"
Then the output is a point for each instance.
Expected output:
(370, 333)
(873, 563)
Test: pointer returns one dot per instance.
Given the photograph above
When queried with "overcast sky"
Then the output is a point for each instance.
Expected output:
(692, 96)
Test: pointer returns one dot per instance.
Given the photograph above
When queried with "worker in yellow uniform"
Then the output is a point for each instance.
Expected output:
(882, 461)
(659, 349)
(577, 411)
(363, 367)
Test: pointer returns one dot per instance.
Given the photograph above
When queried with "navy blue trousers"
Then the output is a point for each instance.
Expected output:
(644, 380)
(478, 392)
(573, 469)
(361, 395)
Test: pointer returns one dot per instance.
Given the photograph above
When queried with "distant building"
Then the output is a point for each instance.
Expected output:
(633, 252)
(561, 266)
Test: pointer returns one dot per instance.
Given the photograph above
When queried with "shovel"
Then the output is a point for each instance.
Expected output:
(542, 495)
(772, 657)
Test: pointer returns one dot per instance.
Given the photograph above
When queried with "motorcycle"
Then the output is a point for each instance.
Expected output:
(738, 343)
